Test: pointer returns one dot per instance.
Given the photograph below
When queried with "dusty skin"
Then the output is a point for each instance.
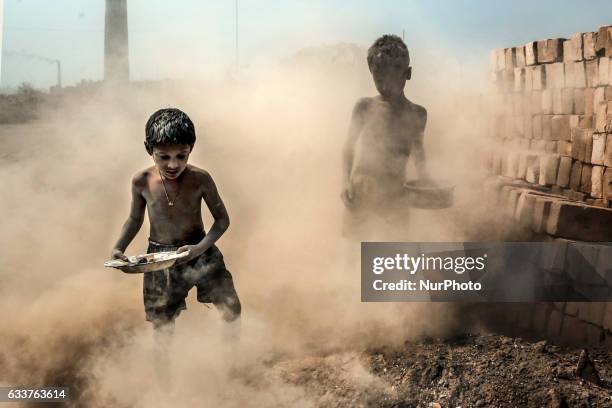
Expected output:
(273, 145)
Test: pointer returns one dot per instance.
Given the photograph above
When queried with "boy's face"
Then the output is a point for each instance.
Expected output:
(171, 159)
(390, 80)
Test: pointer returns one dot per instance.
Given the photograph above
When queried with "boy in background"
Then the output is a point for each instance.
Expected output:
(389, 128)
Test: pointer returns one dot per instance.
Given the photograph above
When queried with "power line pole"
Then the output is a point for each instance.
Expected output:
(59, 74)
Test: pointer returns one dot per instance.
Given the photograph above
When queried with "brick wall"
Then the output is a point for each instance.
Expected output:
(550, 166)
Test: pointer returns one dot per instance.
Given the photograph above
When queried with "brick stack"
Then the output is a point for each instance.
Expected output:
(551, 160)
(555, 125)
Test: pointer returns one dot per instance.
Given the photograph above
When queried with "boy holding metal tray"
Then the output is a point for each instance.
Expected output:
(172, 192)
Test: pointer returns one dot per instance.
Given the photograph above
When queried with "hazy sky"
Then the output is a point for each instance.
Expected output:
(195, 38)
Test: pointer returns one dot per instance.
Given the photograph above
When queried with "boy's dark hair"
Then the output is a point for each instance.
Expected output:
(388, 50)
(169, 126)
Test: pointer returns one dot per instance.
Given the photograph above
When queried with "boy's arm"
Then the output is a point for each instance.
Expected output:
(348, 152)
(419, 152)
(133, 223)
(217, 209)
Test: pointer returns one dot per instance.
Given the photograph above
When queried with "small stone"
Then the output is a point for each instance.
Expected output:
(586, 370)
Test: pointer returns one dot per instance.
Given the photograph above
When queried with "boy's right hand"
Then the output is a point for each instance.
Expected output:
(117, 254)
(347, 195)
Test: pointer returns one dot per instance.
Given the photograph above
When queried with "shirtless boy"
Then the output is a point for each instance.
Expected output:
(172, 192)
(389, 128)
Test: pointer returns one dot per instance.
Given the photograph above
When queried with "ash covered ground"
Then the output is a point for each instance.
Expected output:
(484, 370)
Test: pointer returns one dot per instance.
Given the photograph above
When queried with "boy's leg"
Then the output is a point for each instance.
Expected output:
(220, 292)
(163, 333)
(216, 285)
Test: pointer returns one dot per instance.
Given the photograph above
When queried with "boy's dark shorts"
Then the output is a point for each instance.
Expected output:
(165, 291)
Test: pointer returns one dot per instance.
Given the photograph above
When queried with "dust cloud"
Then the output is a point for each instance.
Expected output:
(272, 142)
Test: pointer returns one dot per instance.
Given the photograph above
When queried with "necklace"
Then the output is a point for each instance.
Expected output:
(170, 202)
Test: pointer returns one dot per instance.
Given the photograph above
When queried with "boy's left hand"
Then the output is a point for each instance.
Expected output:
(193, 250)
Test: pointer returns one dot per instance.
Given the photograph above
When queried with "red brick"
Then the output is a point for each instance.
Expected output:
(528, 127)
(576, 175)
(580, 222)
(537, 127)
(580, 74)
(580, 121)
(607, 184)
(555, 321)
(547, 101)
(573, 308)
(520, 57)
(595, 336)
(531, 53)
(519, 79)
(604, 71)
(567, 101)
(524, 209)
(550, 51)
(564, 148)
(603, 43)
(541, 315)
(573, 331)
(538, 77)
(501, 59)
(597, 181)
(568, 68)
(541, 209)
(579, 101)
(588, 46)
(592, 73)
(608, 152)
(555, 75)
(607, 322)
(603, 116)
(560, 128)
(563, 174)
(587, 136)
(547, 127)
(510, 58)
(599, 148)
(578, 143)
(572, 48)
(532, 174)
(588, 101)
(585, 182)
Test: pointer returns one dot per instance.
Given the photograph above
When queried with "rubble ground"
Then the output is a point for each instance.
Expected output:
(467, 371)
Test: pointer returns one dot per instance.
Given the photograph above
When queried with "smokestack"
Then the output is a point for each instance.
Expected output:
(1, 31)
(116, 56)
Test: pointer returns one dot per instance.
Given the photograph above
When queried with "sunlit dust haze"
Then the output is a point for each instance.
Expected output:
(272, 143)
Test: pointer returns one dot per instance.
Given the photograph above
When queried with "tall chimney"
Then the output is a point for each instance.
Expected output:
(116, 55)
(1, 32)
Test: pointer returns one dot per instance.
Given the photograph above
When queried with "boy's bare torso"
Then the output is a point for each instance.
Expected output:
(174, 225)
(388, 135)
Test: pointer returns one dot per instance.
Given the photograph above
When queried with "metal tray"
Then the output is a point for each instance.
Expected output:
(147, 262)
(429, 195)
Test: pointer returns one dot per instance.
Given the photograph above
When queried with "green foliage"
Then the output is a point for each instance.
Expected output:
(22, 106)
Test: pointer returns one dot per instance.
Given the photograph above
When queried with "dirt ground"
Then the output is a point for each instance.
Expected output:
(468, 371)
